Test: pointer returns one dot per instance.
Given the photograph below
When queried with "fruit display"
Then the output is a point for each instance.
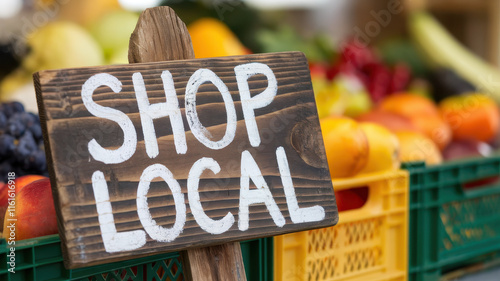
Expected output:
(68, 43)
(356, 81)
(56, 45)
(379, 79)
(22, 152)
(425, 99)
(447, 113)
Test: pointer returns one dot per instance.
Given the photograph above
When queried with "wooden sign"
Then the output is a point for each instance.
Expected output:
(157, 157)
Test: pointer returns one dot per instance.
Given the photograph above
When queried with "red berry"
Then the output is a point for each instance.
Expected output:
(358, 55)
(400, 78)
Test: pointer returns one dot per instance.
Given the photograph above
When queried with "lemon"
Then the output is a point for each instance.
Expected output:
(384, 149)
(346, 146)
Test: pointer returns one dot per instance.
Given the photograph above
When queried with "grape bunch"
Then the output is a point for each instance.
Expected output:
(21, 142)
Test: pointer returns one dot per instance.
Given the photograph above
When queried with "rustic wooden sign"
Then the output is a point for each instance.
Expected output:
(156, 157)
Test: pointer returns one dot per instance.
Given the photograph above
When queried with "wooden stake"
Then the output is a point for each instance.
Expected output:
(221, 262)
(160, 35)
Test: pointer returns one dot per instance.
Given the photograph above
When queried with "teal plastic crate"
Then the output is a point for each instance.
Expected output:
(452, 225)
(41, 259)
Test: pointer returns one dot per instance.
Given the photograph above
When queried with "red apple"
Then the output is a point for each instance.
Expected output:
(458, 149)
(349, 199)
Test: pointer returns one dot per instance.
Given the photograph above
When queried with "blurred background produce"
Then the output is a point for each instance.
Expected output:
(394, 80)
(403, 65)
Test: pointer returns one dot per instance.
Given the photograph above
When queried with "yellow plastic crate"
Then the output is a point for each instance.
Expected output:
(368, 244)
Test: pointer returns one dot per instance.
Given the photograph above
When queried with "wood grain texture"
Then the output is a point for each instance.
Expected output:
(289, 121)
(220, 262)
(160, 36)
(215, 263)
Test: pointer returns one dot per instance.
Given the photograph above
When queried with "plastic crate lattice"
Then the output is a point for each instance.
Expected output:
(358, 247)
(460, 221)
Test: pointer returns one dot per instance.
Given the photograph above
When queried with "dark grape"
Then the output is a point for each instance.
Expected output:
(7, 146)
(36, 130)
(26, 146)
(36, 161)
(21, 142)
(11, 107)
(17, 106)
(15, 127)
(3, 121)
(35, 116)
(29, 162)
(27, 119)
(6, 109)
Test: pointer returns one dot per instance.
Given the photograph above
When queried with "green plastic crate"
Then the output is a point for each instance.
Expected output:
(41, 259)
(451, 226)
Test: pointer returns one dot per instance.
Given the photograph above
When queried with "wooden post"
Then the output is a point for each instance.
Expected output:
(160, 35)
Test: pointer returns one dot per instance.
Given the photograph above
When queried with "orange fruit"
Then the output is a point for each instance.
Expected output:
(212, 38)
(473, 116)
(435, 128)
(418, 147)
(408, 105)
(346, 146)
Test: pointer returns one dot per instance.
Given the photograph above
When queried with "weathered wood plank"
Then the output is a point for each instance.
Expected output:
(290, 121)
